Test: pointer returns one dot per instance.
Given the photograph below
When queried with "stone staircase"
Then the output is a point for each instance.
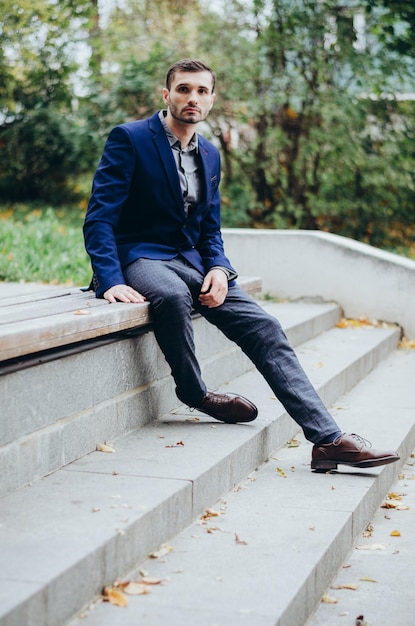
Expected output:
(89, 518)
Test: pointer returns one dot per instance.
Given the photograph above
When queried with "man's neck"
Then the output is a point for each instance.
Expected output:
(183, 132)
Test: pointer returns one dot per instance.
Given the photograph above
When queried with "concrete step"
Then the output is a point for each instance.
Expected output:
(281, 534)
(50, 423)
(67, 535)
(375, 580)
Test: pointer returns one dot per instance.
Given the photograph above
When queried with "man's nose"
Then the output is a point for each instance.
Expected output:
(193, 96)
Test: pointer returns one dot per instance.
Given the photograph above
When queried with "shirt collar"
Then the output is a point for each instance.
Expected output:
(173, 141)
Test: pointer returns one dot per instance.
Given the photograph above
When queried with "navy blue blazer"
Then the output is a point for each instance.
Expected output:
(136, 207)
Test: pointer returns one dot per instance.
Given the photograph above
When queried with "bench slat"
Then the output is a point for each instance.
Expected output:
(33, 323)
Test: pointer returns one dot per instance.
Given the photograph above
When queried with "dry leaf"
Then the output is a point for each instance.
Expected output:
(351, 586)
(210, 513)
(326, 599)
(394, 496)
(240, 541)
(368, 580)
(136, 588)
(371, 546)
(281, 472)
(115, 596)
(147, 580)
(162, 551)
(105, 447)
(178, 444)
(293, 443)
(82, 312)
(395, 533)
(407, 344)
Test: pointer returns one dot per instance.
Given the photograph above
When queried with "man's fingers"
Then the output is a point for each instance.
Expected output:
(123, 293)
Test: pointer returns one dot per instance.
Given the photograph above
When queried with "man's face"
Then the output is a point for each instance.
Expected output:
(190, 96)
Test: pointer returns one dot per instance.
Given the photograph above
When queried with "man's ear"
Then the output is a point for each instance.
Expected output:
(213, 100)
(166, 95)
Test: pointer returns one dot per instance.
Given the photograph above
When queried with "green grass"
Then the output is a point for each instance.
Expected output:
(43, 244)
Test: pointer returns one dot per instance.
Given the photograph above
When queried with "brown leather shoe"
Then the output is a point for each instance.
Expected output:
(228, 408)
(349, 450)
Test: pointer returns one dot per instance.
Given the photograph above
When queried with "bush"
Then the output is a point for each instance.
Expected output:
(41, 153)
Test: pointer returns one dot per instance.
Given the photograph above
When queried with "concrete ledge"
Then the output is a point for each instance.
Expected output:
(295, 264)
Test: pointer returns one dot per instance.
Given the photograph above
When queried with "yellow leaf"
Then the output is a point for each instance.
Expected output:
(162, 551)
(394, 496)
(115, 596)
(105, 447)
(329, 599)
(395, 533)
(281, 472)
(351, 586)
(82, 312)
(293, 443)
(369, 580)
(210, 513)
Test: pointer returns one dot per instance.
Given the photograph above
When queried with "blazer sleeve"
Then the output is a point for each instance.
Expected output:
(110, 191)
(210, 244)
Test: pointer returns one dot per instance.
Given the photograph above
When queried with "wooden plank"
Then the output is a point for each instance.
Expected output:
(30, 336)
(67, 302)
(33, 323)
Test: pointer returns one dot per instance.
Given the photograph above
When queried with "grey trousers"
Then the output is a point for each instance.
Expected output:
(172, 288)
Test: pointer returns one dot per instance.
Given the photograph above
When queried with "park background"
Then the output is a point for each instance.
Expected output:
(314, 114)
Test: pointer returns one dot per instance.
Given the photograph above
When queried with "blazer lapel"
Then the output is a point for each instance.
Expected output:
(166, 157)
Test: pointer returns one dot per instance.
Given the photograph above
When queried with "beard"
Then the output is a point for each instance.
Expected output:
(186, 118)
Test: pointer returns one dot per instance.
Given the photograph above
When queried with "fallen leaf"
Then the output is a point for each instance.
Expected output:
(162, 551)
(147, 580)
(210, 513)
(178, 444)
(281, 472)
(115, 596)
(351, 586)
(371, 546)
(82, 312)
(105, 447)
(395, 533)
(239, 541)
(326, 599)
(368, 580)
(368, 532)
(407, 344)
(293, 443)
(394, 496)
(135, 588)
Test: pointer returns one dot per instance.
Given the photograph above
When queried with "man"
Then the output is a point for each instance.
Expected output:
(152, 231)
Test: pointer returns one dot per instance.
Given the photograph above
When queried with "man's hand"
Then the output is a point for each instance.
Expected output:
(214, 288)
(123, 293)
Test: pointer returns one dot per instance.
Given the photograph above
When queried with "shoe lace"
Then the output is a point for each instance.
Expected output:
(361, 440)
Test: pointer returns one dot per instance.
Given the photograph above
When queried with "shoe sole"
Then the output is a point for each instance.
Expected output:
(324, 466)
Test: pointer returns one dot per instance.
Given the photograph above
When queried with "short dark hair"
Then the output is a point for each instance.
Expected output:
(189, 65)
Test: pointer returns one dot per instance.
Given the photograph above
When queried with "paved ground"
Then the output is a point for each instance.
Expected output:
(376, 582)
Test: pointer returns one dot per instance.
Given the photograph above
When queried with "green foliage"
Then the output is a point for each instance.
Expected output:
(41, 153)
(42, 245)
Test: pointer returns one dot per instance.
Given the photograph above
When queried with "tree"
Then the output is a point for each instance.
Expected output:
(296, 80)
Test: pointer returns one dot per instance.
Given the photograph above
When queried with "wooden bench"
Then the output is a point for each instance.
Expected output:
(51, 319)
